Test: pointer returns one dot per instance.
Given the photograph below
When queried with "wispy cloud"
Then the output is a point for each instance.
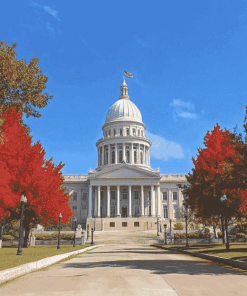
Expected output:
(142, 42)
(163, 149)
(49, 27)
(48, 9)
(183, 109)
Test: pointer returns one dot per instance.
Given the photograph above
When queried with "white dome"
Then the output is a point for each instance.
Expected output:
(125, 110)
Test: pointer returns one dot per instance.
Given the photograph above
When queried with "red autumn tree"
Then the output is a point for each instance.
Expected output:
(214, 175)
(29, 173)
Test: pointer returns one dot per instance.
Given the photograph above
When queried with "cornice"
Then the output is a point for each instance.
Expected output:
(123, 139)
(123, 121)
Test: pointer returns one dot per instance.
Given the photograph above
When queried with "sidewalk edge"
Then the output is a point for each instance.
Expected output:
(230, 262)
(11, 273)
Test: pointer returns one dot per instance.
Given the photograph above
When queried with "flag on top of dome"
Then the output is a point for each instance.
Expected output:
(128, 74)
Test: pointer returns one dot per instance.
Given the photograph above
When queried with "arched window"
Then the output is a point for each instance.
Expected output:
(109, 132)
(114, 131)
(141, 158)
(138, 133)
(120, 156)
(106, 157)
(121, 131)
(135, 158)
(134, 131)
(127, 156)
(113, 156)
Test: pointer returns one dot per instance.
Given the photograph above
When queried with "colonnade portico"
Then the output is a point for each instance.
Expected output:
(95, 199)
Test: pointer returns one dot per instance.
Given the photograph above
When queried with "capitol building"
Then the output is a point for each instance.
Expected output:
(124, 192)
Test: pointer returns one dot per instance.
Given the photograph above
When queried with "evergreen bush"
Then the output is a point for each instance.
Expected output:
(178, 226)
(8, 237)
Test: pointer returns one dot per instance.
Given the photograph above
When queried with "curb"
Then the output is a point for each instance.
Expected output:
(11, 273)
(230, 262)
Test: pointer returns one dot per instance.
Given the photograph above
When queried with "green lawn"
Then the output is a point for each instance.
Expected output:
(9, 258)
(237, 251)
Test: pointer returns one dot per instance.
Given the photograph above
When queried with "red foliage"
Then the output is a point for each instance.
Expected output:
(25, 171)
(215, 157)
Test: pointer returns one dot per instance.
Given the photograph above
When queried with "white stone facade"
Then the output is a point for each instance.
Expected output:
(124, 192)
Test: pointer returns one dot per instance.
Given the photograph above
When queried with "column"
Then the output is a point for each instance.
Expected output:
(180, 201)
(152, 202)
(108, 201)
(170, 214)
(98, 202)
(95, 202)
(158, 200)
(109, 154)
(142, 201)
(124, 156)
(144, 154)
(103, 155)
(118, 201)
(131, 153)
(90, 202)
(116, 154)
(130, 212)
(138, 154)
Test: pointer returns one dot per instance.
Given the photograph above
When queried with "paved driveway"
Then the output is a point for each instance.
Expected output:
(127, 265)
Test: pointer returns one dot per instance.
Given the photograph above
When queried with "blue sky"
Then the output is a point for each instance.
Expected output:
(188, 58)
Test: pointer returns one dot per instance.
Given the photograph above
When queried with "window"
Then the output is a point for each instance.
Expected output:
(112, 224)
(101, 195)
(84, 196)
(109, 132)
(142, 133)
(175, 196)
(149, 195)
(136, 193)
(136, 211)
(121, 131)
(114, 132)
(113, 211)
(120, 156)
(113, 157)
(113, 194)
(127, 156)
(135, 158)
(75, 196)
(124, 224)
(138, 133)
(141, 158)
(124, 194)
(165, 211)
(149, 210)
(134, 131)
(174, 212)
(75, 208)
(136, 224)
(127, 131)
(106, 157)
(165, 196)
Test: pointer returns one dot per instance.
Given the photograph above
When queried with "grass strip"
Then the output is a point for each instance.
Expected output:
(9, 259)
(237, 251)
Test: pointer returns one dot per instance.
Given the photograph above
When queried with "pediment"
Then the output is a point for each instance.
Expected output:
(125, 173)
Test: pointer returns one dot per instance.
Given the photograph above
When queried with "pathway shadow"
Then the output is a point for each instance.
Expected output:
(162, 266)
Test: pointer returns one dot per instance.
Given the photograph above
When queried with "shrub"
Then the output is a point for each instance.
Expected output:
(179, 235)
(66, 228)
(67, 236)
(178, 226)
(54, 235)
(8, 237)
(207, 232)
(193, 234)
(42, 236)
(220, 234)
(240, 235)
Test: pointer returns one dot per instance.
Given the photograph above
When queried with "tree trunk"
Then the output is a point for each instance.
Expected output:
(223, 229)
(214, 231)
(27, 231)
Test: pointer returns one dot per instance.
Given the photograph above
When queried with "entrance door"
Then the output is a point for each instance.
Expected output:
(124, 211)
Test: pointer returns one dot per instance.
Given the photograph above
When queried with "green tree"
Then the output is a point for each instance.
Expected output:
(21, 83)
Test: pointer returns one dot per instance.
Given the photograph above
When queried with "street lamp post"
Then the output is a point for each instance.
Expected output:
(75, 219)
(171, 230)
(223, 199)
(58, 243)
(186, 220)
(91, 236)
(165, 226)
(23, 201)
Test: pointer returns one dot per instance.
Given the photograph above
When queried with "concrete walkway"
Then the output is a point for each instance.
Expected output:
(127, 265)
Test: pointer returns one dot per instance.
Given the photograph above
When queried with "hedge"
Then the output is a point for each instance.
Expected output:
(53, 236)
